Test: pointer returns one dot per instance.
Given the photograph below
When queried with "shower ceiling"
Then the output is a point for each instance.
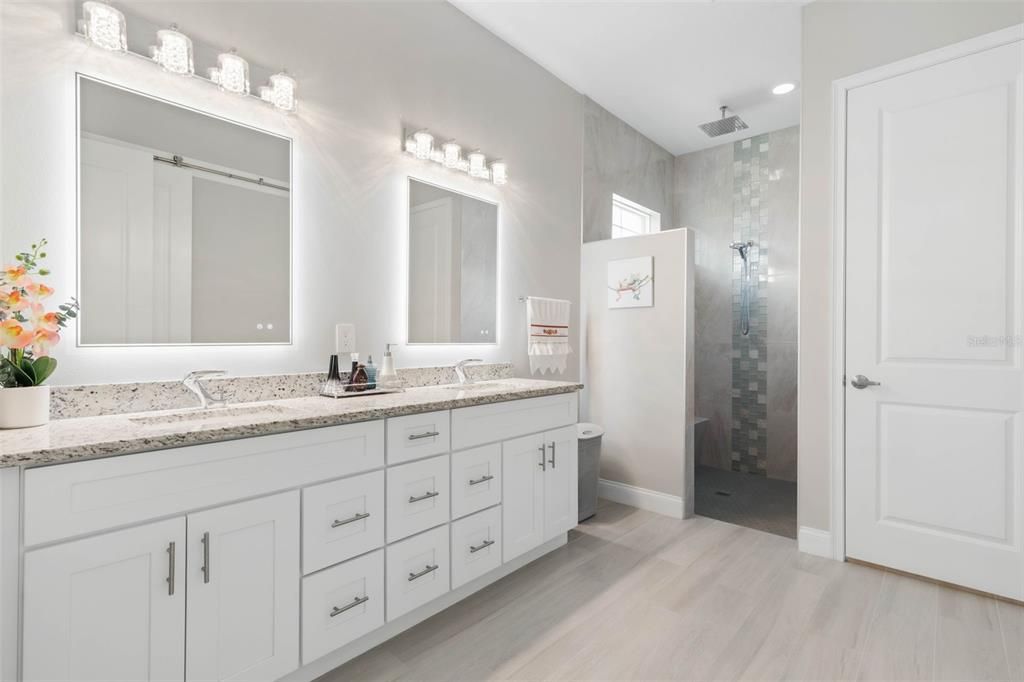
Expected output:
(663, 67)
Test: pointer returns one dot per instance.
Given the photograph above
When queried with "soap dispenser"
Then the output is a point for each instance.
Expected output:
(387, 366)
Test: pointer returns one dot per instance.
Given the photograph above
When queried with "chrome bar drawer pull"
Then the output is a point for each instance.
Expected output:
(206, 558)
(483, 545)
(482, 479)
(423, 497)
(429, 569)
(351, 519)
(337, 610)
(543, 457)
(428, 434)
(552, 460)
(170, 569)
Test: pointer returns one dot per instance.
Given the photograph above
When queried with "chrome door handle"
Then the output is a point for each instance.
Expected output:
(351, 519)
(423, 497)
(337, 610)
(552, 460)
(861, 381)
(543, 457)
(428, 434)
(206, 558)
(482, 479)
(483, 545)
(170, 569)
(425, 571)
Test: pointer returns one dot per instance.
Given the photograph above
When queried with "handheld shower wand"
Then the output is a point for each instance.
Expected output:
(742, 248)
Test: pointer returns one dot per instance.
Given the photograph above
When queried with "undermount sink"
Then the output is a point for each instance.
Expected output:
(480, 386)
(212, 414)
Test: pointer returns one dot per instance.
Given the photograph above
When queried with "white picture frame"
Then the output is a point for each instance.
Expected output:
(631, 282)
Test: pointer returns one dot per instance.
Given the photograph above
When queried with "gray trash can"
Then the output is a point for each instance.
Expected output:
(590, 464)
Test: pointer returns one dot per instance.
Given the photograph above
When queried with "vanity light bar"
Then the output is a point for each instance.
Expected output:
(422, 144)
(104, 26)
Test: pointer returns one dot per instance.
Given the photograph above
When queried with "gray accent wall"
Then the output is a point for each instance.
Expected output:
(618, 159)
(745, 385)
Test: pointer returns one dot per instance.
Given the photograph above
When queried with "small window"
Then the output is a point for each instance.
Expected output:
(630, 218)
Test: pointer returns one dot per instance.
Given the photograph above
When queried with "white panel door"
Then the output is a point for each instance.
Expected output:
(110, 607)
(523, 466)
(430, 272)
(116, 242)
(561, 496)
(934, 466)
(243, 590)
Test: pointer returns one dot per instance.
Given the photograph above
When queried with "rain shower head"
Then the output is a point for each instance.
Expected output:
(724, 125)
(742, 247)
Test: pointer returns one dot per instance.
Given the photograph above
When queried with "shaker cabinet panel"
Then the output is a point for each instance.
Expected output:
(109, 607)
(561, 497)
(243, 590)
(342, 519)
(522, 494)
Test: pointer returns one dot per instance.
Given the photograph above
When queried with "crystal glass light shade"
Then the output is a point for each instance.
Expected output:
(282, 91)
(234, 73)
(452, 154)
(478, 165)
(105, 26)
(174, 52)
(424, 144)
(499, 173)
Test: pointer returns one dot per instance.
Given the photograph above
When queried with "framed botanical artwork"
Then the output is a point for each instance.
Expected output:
(631, 282)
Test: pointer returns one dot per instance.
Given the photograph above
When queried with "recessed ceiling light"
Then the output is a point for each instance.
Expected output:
(783, 88)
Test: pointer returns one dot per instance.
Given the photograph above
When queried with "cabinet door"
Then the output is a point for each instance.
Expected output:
(110, 607)
(561, 498)
(523, 469)
(243, 590)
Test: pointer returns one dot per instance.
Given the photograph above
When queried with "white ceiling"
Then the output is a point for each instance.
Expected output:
(663, 67)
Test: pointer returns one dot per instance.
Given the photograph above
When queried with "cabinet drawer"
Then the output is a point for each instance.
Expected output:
(342, 604)
(342, 519)
(418, 571)
(418, 435)
(500, 421)
(418, 497)
(476, 546)
(82, 497)
(476, 479)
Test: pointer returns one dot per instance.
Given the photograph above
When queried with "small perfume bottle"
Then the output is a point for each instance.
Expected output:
(371, 374)
(334, 387)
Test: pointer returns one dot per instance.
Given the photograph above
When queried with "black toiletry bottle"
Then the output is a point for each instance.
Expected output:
(360, 382)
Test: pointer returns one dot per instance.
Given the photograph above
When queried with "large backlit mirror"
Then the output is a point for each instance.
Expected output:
(453, 266)
(184, 224)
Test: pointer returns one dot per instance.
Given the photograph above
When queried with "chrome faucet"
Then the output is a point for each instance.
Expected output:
(193, 381)
(460, 370)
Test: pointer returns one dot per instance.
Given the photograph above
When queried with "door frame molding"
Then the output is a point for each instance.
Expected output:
(837, 364)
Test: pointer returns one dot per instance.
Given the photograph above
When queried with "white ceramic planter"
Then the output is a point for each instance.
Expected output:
(23, 407)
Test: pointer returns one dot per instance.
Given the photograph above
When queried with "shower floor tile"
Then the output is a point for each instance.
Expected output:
(746, 500)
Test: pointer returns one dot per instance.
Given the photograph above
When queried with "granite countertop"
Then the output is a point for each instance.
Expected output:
(69, 440)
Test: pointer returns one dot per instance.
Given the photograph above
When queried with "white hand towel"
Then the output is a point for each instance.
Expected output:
(547, 329)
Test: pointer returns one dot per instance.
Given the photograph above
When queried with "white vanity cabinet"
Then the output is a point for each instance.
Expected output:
(243, 590)
(540, 501)
(109, 607)
(247, 559)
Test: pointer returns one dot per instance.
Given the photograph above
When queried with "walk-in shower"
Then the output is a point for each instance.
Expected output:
(743, 248)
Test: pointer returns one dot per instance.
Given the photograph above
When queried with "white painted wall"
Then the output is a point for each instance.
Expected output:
(639, 366)
(840, 39)
(365, 70)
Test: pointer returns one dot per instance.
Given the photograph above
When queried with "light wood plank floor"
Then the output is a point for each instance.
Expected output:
(637, 596)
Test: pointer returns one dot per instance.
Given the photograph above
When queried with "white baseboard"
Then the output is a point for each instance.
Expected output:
(815, 541)
(641, 498)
